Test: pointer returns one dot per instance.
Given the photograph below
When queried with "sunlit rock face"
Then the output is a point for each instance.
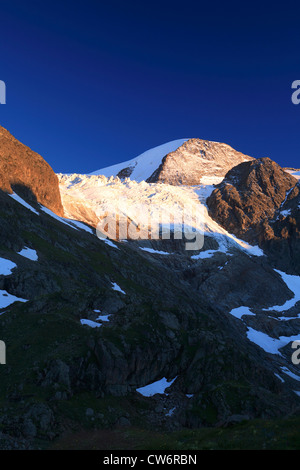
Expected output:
(27, 173)
(197, 161)
(246, 201)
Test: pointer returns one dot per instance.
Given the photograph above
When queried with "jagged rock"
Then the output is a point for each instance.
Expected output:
(57, 373)
(247, 199)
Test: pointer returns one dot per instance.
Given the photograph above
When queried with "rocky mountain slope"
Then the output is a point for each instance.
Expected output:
(197, 161)
(247, 199)
(185, 161)
(259, 202)
(100, 321)
(143, 334)
(28, 173)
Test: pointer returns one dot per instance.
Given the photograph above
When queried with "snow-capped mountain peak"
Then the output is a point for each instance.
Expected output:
(141, 168)
(188, 169)
(184, 161)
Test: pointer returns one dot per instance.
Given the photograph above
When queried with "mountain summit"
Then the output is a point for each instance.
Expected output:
(179, 164)
(197, 161)
(183, 161)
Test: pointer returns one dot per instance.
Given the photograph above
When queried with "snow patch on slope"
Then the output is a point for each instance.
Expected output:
(117, 288)
(159, 386)
(155, 252)
(28, 253)
(90, 323)
(7, 299)
(293, 283)
(240, 311)
(269, 344)
(6, 266)
(75, 224)
(24, 203)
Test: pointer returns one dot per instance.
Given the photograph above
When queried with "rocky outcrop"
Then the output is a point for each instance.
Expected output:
(26, 173)
(247, 200)
(197, 161)
(126, 172)
(284, 247)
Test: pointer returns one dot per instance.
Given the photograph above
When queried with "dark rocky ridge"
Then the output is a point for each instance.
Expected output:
(246, 201)
(283, 247)
(27, 173)
(260, 202)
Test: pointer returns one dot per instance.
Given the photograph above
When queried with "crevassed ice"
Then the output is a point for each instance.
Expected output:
(110, 195)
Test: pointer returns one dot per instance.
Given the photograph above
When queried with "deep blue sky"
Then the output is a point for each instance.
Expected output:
(92, 83)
